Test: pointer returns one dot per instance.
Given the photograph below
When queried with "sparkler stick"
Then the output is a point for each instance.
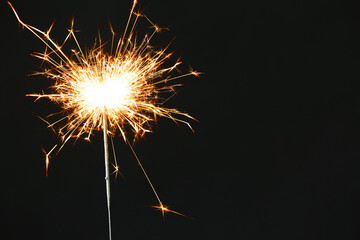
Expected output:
(107, 171)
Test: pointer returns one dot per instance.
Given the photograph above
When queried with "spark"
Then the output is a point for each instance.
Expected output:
(114, 92)
(164, 209)
(115, 165)
(47, 159)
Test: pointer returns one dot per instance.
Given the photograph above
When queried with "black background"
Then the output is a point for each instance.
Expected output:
(275, 154)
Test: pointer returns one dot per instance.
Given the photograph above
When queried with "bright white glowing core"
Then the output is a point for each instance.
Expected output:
(111, 93)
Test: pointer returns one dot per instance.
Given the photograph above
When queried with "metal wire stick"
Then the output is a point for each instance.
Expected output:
(107, 173)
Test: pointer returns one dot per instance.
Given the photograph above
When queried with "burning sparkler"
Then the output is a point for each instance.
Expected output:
(108, 92)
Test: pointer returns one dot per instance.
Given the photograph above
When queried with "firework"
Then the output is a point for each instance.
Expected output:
(112, 92)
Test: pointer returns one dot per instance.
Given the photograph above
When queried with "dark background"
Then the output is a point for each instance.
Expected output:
(275, 154)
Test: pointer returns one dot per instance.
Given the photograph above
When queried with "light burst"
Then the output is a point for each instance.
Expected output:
(108, 91)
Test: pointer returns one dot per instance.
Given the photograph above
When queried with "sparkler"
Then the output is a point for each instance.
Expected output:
(108, 92)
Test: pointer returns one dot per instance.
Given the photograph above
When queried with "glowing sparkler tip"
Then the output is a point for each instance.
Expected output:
(125, 83)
